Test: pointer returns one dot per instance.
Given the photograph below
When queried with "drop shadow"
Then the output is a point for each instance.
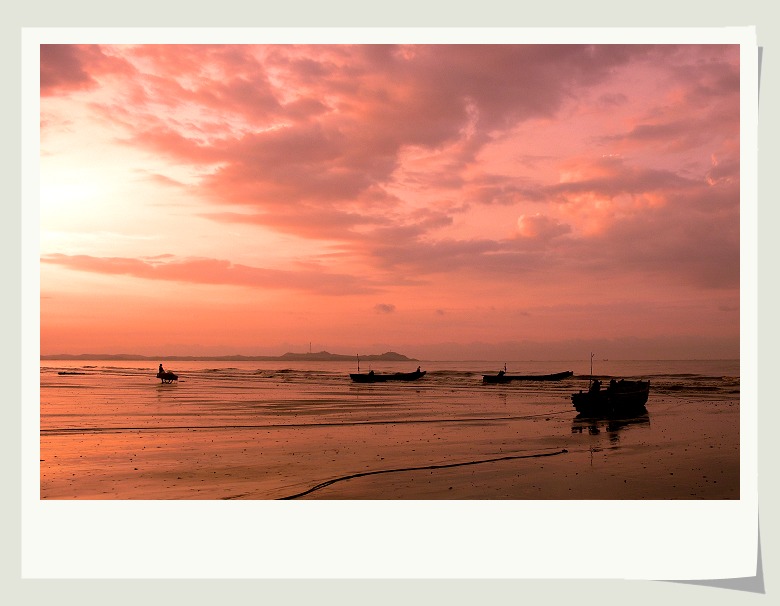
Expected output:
(749, 584)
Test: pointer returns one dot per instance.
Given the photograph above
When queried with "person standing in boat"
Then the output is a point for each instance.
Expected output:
(160, 371)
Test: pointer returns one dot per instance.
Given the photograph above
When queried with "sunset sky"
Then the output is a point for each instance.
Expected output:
(443, 201)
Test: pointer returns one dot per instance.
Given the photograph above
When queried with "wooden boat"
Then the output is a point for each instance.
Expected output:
(620, 398)
(502, 377)
(167, 377)
(373, 377)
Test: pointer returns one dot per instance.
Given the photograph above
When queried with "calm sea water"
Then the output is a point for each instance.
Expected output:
(316, 382)
(273, 429)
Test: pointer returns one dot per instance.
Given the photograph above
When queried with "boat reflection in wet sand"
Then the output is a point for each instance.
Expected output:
(374, 377)
(595, 425)
(612, 426)
(502, 377)
(620, 399)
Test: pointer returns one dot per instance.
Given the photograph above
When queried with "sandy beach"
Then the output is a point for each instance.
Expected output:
(323, 438)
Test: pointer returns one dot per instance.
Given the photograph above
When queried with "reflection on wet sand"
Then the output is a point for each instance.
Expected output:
(613, 426)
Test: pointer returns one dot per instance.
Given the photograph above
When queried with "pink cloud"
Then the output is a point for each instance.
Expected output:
(612, 176)
(540, 227)
(61, 69)
(353, 108)
(67, 68)
(215, 271)
(313, 223)
(384, 308)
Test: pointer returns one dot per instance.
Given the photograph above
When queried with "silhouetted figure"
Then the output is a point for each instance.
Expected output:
(596, 386)
(160, 371)
(418, 369)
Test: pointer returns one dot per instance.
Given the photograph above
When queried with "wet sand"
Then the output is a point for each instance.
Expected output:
(369, 442)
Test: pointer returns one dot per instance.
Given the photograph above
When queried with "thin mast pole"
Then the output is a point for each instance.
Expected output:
(591, 369)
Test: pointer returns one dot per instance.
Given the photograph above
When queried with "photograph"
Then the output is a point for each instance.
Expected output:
(390, 271)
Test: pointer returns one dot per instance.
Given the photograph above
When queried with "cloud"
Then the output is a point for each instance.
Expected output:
(384, 308)
(540, 227)
(671, 135)
(323, 125)
(608, 216)
(653, 221)
(384, 150)
(316, 224)
(502, 190)
(607, 100)
(217, 272)
(67, 68)
(611, 176)
(61, 69)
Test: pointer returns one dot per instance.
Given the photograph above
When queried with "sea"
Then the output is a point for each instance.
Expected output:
(300, 430)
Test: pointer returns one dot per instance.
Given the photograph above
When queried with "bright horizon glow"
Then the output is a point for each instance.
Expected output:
(521, 201)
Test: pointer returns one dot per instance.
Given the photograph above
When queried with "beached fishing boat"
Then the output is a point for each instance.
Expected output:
(619, 398)
(167, 377)
(502, 377)
(373, 377)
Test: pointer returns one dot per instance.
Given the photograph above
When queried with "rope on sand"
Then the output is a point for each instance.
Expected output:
(426, 467)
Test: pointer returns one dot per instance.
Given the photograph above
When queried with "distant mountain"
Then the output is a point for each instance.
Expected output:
(324, 356)
(321, 356)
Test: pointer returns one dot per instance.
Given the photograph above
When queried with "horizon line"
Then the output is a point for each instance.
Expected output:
(260, 357)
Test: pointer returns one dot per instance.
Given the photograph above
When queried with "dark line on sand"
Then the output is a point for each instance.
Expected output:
(426, 467)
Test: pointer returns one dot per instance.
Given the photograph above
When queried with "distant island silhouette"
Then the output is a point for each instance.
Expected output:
(321, 356)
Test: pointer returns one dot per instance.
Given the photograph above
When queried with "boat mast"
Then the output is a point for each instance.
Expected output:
(591, 370)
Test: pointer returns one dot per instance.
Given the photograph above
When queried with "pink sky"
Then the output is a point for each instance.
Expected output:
(443, 201)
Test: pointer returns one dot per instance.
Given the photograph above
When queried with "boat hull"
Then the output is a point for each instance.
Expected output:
(372, 377)
(503, 378)
(622, 398)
